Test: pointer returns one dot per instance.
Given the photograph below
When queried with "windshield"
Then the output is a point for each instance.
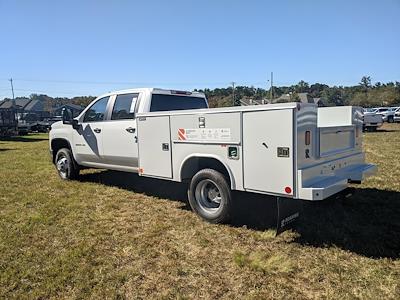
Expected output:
(161, 102)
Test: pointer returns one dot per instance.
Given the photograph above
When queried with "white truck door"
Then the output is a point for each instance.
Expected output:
(268, 151)
(87, 140)
(154, 146)
(119, 133)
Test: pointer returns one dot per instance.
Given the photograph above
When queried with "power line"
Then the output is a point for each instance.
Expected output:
(133, 82)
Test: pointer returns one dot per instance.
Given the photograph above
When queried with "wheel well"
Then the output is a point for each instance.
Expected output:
(58, 144)
(195, 164)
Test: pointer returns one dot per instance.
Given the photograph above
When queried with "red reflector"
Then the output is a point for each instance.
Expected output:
(308, 137)
(288, 190)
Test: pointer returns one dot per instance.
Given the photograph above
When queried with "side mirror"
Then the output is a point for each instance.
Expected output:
(67, 118)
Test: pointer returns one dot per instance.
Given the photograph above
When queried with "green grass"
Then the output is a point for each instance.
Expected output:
(115, 235)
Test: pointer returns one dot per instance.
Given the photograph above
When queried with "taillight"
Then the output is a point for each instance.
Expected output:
(180, 92)
(307, 138)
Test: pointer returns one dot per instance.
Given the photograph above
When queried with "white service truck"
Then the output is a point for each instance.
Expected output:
(290, 150)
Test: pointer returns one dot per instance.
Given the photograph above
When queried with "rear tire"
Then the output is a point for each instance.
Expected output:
(210, 196)
(66, 165)
(390, 119)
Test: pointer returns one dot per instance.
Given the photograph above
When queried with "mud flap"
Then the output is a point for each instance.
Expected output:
(288, 213)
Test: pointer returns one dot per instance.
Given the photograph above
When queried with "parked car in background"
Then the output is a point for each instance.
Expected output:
(396, 112)
(385, 112)
(45, 125)
(371, 121)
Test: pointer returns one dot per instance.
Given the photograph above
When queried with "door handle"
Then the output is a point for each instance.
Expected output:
(131, 129)
(97, 130)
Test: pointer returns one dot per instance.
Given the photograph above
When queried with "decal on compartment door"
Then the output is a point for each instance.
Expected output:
(204, 134)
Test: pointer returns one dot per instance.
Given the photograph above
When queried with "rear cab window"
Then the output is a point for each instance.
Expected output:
(165, 102)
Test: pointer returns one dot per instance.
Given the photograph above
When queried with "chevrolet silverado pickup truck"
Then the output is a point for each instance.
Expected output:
(287, 150)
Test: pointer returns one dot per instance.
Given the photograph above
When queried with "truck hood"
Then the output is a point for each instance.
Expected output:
(58, 124)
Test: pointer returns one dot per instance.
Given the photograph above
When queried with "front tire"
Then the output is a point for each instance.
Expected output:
(66, 166)
(390, 119)
(210, 196)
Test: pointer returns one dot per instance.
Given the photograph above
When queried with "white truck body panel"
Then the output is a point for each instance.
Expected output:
(335, 155)
(339, 116)
(154, 147)
(263, 168)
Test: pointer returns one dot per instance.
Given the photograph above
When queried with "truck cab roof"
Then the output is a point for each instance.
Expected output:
(157, 91)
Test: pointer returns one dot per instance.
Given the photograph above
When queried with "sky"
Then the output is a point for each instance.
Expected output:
(78, 47)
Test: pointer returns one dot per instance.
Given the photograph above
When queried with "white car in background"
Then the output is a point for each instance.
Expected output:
(396, 112)
(385, 112)
(371, 120)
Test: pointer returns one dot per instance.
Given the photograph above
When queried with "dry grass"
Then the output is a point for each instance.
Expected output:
(115, 235)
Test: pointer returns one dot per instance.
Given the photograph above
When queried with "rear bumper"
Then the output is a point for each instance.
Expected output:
(373, 124)
(324, 180)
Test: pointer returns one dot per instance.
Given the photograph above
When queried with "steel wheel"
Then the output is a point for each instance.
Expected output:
(62, 166)
(208, 196)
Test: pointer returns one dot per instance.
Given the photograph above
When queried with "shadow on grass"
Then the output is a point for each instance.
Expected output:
(386, 130)
(132, 182)
(4, 150)
(22, 139)
(367, 223)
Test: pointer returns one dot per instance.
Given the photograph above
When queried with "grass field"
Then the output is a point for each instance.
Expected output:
(115, 235)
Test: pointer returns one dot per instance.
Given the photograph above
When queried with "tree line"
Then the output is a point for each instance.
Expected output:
(363, 94)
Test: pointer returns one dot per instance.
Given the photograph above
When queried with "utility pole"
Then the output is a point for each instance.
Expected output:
(12, 90)
(12, 87)
(271, 92)
(233, 93)
(13, 105)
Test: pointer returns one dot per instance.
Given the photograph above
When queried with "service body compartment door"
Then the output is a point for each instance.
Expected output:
(268, 151)
(154, 146)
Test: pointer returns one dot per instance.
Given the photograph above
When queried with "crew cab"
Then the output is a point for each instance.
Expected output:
(287, 150)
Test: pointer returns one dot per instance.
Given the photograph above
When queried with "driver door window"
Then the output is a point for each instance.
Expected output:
(97, 111)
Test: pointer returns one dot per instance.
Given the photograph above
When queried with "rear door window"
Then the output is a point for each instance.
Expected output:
(160, 102)
(124, 107)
